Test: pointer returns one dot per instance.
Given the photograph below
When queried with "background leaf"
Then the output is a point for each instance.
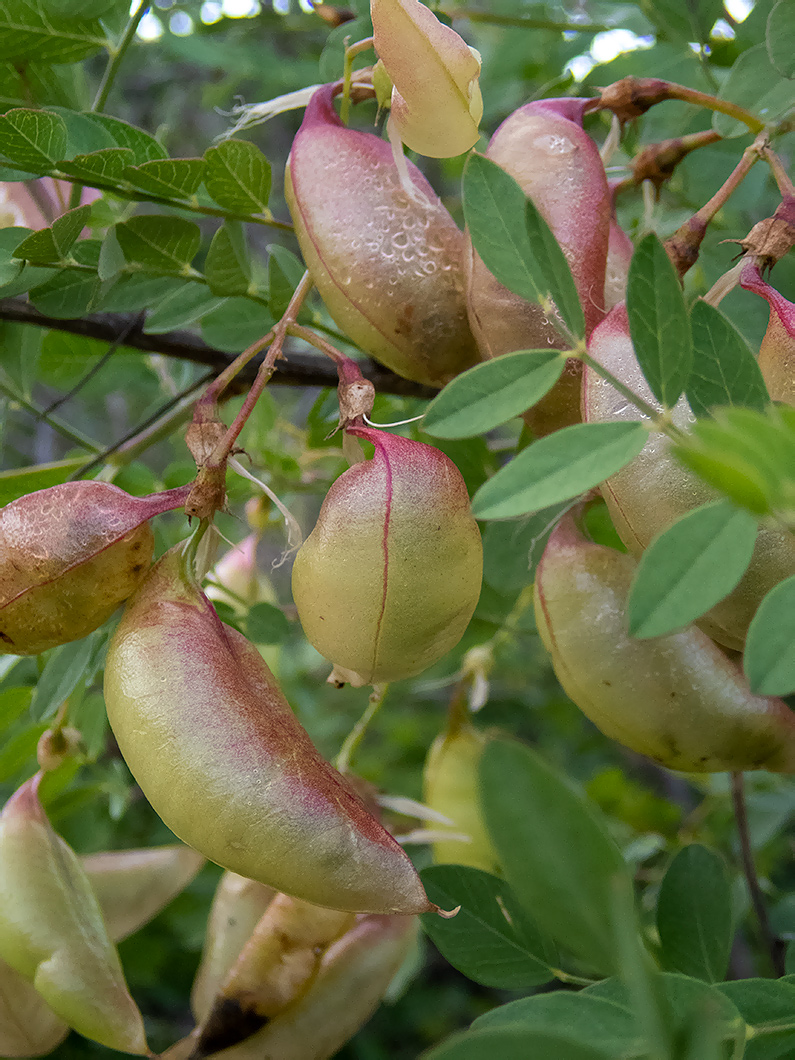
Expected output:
(556, 853)
(769, 659)
(724, 372)
(238, 176)
(228, 265)
(753, 83)
(172, 177)
(780, 38)
(694, 914)
(30, 29)
(690, 567)
(159, 244)
(558, 467)
(32, 139)
(658, 321)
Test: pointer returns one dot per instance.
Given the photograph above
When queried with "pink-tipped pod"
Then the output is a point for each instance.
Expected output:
(388, 266)
(387, 581)
(69, 555)
(216, 749)
(677, 698)
(238, 581)
(544, 147)
(354, 975)
(52, 932)
(654, 490)
(238, 906)
(777, 352)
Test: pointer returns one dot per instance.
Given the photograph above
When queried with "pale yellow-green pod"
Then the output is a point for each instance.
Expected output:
(52, 932)
(28, 1026)
(450, 786)
(237, 908)
(275, 967)
(132, 886)
(354, 976)
(678, 698)
(654, 490)
(387, 581)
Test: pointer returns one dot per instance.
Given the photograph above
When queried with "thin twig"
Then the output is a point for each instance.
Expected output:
(303, 369)
(106, 356)
(774, 945)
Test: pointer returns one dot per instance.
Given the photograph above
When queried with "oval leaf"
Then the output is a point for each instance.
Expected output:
(781, 38)
(491, 939)
(514, 1043)
(694, 915)
(769, 660)
(658, 321)
(515, 242)
(487, 395)
(724, 372)
(559, 467)
(689, 567)
(557, 855)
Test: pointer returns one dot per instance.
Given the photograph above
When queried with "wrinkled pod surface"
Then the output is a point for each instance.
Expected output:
(544, 147)
(677, 699)
(387, 266)
(214, 745)
(388, 580)
(69, 555)
(654, 490)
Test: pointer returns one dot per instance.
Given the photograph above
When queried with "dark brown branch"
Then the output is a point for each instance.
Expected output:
(300, 368)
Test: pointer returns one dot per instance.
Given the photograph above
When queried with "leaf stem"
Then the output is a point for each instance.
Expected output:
(266, 370)
(116, 57)
(773, 944)
(55, 424)
(355, 736)
(351, 51)
(661, 420)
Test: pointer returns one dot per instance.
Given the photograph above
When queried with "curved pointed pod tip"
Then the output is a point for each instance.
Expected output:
(389, 578)
(677, 699)
(387, 266)
(52, 932)
(216, 749)
(69, 555)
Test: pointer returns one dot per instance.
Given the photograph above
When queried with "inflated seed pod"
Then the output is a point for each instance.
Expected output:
(274, 968)
(544, 147)
(387, 265)
(678, 699)
(52, 931)
(450, 786)
(388, 580)
(211, 740)
(131, 886)
(777, 352)
(654, 490)
(69, 555)
(238, 906)
(354, 975)
(28, 1026)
